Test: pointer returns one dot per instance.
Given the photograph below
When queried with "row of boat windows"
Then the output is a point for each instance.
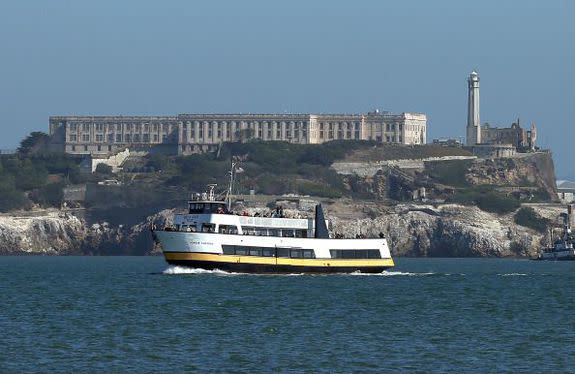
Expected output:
(355, 253)
(241, 250)
(233, 230)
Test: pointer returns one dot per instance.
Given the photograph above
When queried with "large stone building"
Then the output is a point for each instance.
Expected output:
(487, 141)
(192, 133)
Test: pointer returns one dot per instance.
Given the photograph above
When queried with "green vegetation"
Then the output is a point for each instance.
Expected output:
(528, 217)
(451, 173)
(486, 198)
(34, 143)
(34, 175)
(268, 167)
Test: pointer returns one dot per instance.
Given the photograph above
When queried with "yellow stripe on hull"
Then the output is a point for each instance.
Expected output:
(315, 262)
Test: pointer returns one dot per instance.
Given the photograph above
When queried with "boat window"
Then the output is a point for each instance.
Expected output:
(307, 253)
(208, 227)
(355, 253)
(255, 251)
(288, 233)
(241, 251)
(249, 230)
(261, 232)
(295, 253)
(283, 252)
(301, 233)
(268, 252)
(229, 249)
(228, 229)
(273, 232)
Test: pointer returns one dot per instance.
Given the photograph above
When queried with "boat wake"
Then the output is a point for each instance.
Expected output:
(513, 275)
(177, 270)
(393, 274)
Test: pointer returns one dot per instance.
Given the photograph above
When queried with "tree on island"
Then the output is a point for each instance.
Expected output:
(34, 143)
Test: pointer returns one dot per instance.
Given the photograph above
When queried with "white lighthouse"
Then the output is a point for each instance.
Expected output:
(473, 124)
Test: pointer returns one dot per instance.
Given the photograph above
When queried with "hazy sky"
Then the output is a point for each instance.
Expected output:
(167, 57)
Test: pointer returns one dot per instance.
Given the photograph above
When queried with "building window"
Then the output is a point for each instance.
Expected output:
(85, 148)
(85, 137)
(156, 138)
(136, 138)
(99, 127)
(127, 138)
(99, 138)
(73, 137)
(99, 148)
(85, 127)
(118, 138)
(110, 138)
(146, 138)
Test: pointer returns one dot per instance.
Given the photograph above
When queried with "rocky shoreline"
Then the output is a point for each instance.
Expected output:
(413, 230)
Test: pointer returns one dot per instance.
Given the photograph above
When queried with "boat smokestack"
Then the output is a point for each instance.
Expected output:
(321, 231)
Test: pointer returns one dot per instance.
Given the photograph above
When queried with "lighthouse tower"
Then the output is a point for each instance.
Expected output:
(473, 124)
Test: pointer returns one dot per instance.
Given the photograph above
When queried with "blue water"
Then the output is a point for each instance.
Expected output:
(137, 314)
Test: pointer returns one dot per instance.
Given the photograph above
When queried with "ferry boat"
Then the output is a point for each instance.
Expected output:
(562, 249)
(210, 236)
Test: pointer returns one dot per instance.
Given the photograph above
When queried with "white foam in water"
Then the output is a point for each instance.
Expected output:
(174, 270)
(513, 275)
(393, 274)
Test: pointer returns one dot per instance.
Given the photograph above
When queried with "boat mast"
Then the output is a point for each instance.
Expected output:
(231, 183)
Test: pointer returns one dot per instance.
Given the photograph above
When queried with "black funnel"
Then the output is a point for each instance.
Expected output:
(320, 226)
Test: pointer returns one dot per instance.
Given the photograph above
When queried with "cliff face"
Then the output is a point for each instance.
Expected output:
(412, 230)
(49, 233)
(529, 174)
(447, 231)
(535, 170)
(62, 233)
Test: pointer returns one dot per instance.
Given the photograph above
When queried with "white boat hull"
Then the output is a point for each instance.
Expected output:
(264, 253)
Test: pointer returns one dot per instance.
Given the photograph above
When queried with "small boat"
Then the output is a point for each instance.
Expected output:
(562, 249)
(210, 236)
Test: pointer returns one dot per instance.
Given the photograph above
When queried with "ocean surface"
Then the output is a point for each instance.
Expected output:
(137, 314)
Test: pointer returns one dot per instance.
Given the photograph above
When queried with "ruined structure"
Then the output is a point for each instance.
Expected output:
(486, 141)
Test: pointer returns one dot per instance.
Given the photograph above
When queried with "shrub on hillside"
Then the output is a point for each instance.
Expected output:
(486, 199)
(50, 195)
(494, 202)
(451, 173)
(528, 217)
(12, 199)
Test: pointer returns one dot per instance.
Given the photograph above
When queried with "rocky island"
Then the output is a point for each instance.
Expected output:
(428, 200)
